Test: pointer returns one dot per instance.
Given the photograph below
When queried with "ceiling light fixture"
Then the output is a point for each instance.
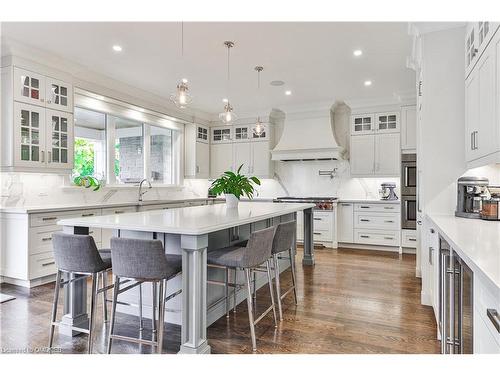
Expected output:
(258, 128)
(227, 116)
(117, 48)
(357, 52)
(368, 83)
(182, 98)
(288, 93)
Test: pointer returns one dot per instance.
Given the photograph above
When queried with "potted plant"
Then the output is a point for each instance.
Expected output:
(234, 186)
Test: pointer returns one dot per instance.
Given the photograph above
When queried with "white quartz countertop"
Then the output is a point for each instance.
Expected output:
(362, 200)
(196, 220)
(476, 241)
(90, 206)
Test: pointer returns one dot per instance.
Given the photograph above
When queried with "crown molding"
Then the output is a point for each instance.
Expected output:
(420, 28)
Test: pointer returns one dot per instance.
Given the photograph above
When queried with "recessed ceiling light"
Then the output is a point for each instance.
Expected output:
(288, 92)
(225, 100)
(357, 52)
(277, 83)
(368, 83)
(117, 48)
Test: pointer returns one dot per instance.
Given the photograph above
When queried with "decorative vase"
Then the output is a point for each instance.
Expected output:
(231, 201)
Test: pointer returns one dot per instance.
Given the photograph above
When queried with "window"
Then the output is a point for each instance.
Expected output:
(90, 143)
(128, 150)
(161, 155)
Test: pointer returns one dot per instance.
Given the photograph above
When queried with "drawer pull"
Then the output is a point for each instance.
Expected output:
(365, 206)
(91, 232)
(47, 239)
(388, 208)
(119, 212)
(388, 238)
(412, 239)
(318, 218)
(346, 204)
(87, 215)
(493, 315)
(49, 218)
(317, 233)
(389, 221)
(364, 236)
(364, 220)
(48, 264)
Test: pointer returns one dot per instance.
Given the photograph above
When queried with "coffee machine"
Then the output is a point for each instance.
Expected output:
(470, 192)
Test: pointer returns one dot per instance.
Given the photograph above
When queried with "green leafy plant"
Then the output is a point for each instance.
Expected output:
(87, 182)
(235, 183)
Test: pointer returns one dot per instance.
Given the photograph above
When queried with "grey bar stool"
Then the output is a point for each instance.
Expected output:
(256, 252)
(78, 254)
(284, 240)
(143, 261)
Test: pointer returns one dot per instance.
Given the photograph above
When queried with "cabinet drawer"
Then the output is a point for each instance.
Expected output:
(485, 299)
(322, 235)
(376, 220)
(41, 238)
(42, 264)
(117, 210)
(376, 237)
(409, 238)
(322, 221)
(377, 207)
(51, 218)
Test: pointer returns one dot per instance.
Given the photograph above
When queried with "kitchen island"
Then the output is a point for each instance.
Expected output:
(190, 231)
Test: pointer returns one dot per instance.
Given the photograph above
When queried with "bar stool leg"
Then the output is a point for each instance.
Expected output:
(294, 276)
(54, 308)
(235, 290)
(161, 314)
(226, 290)
(271, 292)
(155, 295)
(93, 304)
(104, 276)
(141, 327)
(250, 310)
(116, 288)
(278, 286)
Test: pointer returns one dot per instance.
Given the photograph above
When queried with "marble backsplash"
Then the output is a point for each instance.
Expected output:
(291, 178)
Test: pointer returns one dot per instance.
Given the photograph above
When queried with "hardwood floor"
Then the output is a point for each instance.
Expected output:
(351, 301)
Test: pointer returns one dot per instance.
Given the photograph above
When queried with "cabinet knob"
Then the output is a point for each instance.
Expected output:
(49, 101)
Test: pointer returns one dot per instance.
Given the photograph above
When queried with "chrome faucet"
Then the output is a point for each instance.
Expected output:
(141, 193)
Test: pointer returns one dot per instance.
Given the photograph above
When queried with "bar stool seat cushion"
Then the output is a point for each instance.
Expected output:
(174, 264)
(230, 256)
(106, 257)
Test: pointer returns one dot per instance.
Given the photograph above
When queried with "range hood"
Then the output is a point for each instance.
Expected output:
(307, 139)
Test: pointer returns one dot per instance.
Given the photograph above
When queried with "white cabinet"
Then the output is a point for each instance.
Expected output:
(377, 224)
(324, 227)
(387, 154)
(196, 151)
(59, 130)
(477, 37)
(261, 160)
(362, 124)
(59, 95)
(221, 134)
(362, 155)
(387, 122)
(345, 220)
(242, 155)
(482, 105)
(408, 128)
(221, 159)
(29, 87)
(375, 155)
(241, 133)
(29, 135)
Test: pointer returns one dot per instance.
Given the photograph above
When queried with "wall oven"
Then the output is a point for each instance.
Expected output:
(408, 174)
(409, 212)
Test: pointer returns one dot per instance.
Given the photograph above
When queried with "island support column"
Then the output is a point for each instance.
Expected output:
(308, 259)
(194, 295)
(75, 297)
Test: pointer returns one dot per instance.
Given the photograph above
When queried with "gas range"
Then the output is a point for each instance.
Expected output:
(322, 203)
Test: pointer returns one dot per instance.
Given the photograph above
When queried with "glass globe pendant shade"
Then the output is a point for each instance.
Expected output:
(227, 116)
(258, 128)
(182, 98)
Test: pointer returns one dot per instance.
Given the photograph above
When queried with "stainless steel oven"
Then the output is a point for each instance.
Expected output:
(409, 212)
(408, 174)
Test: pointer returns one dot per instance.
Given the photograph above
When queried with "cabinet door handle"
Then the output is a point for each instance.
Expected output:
(48, 264)
(43, 157)
(49, 157)
(86, 215)
(47, 239)
(412, 239)
(472, 140)
(364, 220)
(317, 233)
(476, 142)
(364, 236)
(493, 316)
(431, 251)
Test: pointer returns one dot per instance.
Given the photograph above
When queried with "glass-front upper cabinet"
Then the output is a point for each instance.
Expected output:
(59, 95)
(29, 135)
(241, 133)
(29, 87)
(362, 124)
(59, 139)
(221, 134)
(201, 134)
(263, 135)
(387, 122)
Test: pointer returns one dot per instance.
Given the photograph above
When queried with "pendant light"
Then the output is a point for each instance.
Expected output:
(182, 98)
(258, 128)
(227, 116)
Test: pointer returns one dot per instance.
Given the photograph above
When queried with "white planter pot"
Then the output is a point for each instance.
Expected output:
(231, 201)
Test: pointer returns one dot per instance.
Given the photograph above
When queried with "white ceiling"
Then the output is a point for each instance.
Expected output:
(314, 59)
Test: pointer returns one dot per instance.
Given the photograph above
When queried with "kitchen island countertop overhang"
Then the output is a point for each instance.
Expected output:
(189, 228)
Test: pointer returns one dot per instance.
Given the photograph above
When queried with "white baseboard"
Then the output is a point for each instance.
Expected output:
(425, 299)
(29, 283)
(393, 249)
